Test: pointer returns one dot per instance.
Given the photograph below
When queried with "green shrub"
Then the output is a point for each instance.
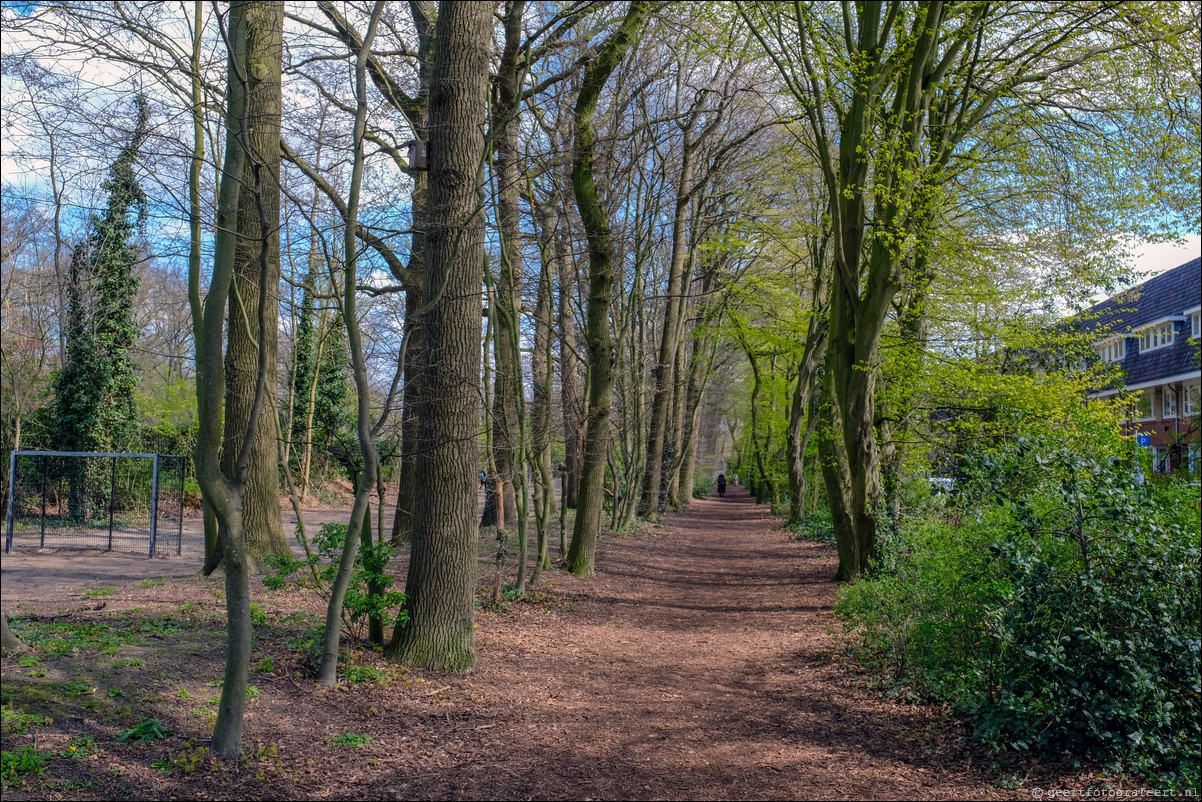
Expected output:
(16, 764)
(368, 592)
(817, 526)
(1056, 604)
(704, 484)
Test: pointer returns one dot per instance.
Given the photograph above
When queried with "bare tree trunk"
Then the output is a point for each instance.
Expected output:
(569, 375)
(402, 525)
(224, 493)
(798, 436)
(441, 582)
(508, 398)
(540, 412)
(582, 552)
(360, 521)
(652, 502)
(249, 344)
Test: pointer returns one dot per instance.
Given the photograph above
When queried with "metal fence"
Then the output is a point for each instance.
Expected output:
(95, 500)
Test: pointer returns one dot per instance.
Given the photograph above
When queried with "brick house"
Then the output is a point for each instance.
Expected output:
(1152, 331)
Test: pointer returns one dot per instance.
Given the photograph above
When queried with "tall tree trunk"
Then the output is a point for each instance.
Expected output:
(675, 433)
(440, 589)
(402, 525)
(360, 521)
(700, 363)
(540, 411)
(224, 493)
(582, 552)
(248, 343)
(508, 400)
(652, 502)
(569, 373)
(402, 522)
(801, 426)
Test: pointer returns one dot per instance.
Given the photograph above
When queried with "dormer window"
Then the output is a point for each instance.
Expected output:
(1112, 350)
(1195, 324)
(1158, 335)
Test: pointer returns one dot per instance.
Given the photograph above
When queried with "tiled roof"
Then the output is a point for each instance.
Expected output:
(1166, 295)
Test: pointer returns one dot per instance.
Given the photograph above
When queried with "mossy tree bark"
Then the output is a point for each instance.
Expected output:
(582, 551)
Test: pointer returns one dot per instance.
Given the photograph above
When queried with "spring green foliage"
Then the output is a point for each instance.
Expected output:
(1055, 602)
(94, 393)
(816, 527)
(147, 730)
(370, 570)
(16, 764)
(352, 739)
(14, 723)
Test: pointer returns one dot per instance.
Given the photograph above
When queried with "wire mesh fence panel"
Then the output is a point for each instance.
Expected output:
(169, 529)
(109, 502)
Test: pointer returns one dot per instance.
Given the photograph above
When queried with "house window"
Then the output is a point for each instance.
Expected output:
(1112, 350)
(1195, 325)
(1190, 407)
(1157, 336)
(1143, 405)
(1169, 404)
(1195, 457)
(1160, 459)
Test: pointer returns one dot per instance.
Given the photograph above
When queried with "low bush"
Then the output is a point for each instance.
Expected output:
(18, 763)
(368, 593)
(1056, 603)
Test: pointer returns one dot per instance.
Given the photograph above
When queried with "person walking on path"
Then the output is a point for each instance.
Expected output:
(721, 485)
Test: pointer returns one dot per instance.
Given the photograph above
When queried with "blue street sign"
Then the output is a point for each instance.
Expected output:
(1143, 439)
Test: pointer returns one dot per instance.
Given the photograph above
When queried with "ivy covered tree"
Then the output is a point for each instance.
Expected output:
(94, 393)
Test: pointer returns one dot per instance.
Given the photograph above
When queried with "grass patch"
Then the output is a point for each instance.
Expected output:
(14, 723)
(351, 739)
(93, 593)
(356, 675)
(129, 662)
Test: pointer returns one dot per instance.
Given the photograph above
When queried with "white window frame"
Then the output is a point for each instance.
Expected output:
(1112, 350)
(1195, 322)
(1193, 394)
(1168, 403)
(1150, 394)
(1158, 334)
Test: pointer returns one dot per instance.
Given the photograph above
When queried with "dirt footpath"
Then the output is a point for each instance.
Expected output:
(699, 663)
